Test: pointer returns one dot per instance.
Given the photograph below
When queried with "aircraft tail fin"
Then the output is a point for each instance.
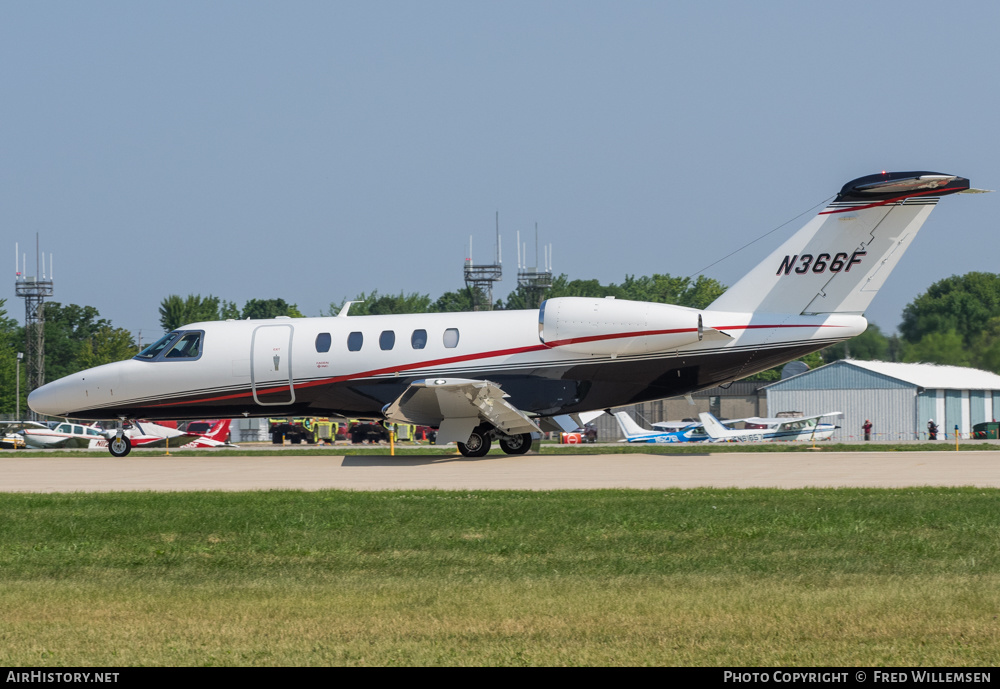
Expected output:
(220, 431)
(714, 427)
(838, 261)
(630, 428)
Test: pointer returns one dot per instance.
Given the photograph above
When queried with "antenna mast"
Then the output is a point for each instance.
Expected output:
(33, 289)
(480, 279)
(532, 281)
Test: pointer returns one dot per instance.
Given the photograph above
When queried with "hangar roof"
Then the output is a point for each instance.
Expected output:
(932, 376)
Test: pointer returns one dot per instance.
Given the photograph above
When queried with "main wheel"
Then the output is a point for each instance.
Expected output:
(516, 444)
(120, 447)
(477, 445)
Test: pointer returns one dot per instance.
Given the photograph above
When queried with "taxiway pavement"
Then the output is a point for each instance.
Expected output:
(500, 472)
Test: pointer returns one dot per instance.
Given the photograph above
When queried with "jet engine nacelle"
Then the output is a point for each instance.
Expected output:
(616, 326)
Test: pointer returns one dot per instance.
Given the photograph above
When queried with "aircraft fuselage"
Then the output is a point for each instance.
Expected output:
(354, 366)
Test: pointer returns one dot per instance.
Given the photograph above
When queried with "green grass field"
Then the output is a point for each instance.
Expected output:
(611, 577)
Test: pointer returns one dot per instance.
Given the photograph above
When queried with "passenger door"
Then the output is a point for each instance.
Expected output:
(271, 365)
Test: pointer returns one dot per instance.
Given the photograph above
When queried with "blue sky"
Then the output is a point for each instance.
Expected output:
(315, 150)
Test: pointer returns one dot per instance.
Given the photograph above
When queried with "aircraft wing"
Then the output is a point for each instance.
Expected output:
(456, 406)
(15, 426)
(785, 420)
(69, 441)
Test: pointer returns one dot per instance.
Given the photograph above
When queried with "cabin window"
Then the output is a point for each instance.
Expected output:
(152, 350)
(323, 342)
(419, 339)
(354, 342)
(188, 347)
(387, 340)
(93, 431)
(64, 428)
(180, 344)
(451, 338)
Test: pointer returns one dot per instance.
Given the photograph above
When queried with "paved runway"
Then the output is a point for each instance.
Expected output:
(530, 472)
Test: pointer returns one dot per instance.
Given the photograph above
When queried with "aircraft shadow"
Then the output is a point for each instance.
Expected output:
(411, 461)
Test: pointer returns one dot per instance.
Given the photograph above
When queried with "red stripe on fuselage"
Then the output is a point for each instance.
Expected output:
(470, 357)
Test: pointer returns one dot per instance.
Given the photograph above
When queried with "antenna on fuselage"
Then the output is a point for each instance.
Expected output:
(347, 307)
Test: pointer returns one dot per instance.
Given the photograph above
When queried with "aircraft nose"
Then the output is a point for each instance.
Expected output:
(50, 400)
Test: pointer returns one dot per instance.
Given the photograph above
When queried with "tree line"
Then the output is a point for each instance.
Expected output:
(956, 321)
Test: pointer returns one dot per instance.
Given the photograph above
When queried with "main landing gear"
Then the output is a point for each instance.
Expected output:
(482, 437)
(120, 445)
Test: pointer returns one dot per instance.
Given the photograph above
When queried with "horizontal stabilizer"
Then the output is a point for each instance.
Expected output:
(892, 185)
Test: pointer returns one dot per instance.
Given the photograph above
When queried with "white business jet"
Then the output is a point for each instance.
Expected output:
(504, 375)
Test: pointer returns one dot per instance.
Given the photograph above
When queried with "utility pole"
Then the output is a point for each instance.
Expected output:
(17, 393)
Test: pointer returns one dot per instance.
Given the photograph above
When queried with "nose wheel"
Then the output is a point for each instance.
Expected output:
(121, 444)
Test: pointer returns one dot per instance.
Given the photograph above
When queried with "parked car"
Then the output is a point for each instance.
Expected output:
(368, 432)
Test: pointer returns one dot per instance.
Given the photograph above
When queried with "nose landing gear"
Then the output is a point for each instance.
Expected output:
(121, 444)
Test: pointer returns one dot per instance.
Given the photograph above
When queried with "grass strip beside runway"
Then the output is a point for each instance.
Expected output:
(677, 577)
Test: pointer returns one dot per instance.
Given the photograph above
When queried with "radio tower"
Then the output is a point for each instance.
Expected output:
(480, 279)
(34, 289)
(533, 280)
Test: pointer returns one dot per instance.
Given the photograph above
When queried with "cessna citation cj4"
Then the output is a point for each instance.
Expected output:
(503, 375)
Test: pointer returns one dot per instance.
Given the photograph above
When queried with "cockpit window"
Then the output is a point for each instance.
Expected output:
(188, 347)
(180, 345)
(152, 350)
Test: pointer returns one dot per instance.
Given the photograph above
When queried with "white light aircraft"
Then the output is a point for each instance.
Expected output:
(634, 433)
(760, 430)
(12, 433)
(148, 435)
(503, 375)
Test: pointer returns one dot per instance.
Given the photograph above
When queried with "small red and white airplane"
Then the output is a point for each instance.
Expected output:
(503, 375)
(141, 434)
